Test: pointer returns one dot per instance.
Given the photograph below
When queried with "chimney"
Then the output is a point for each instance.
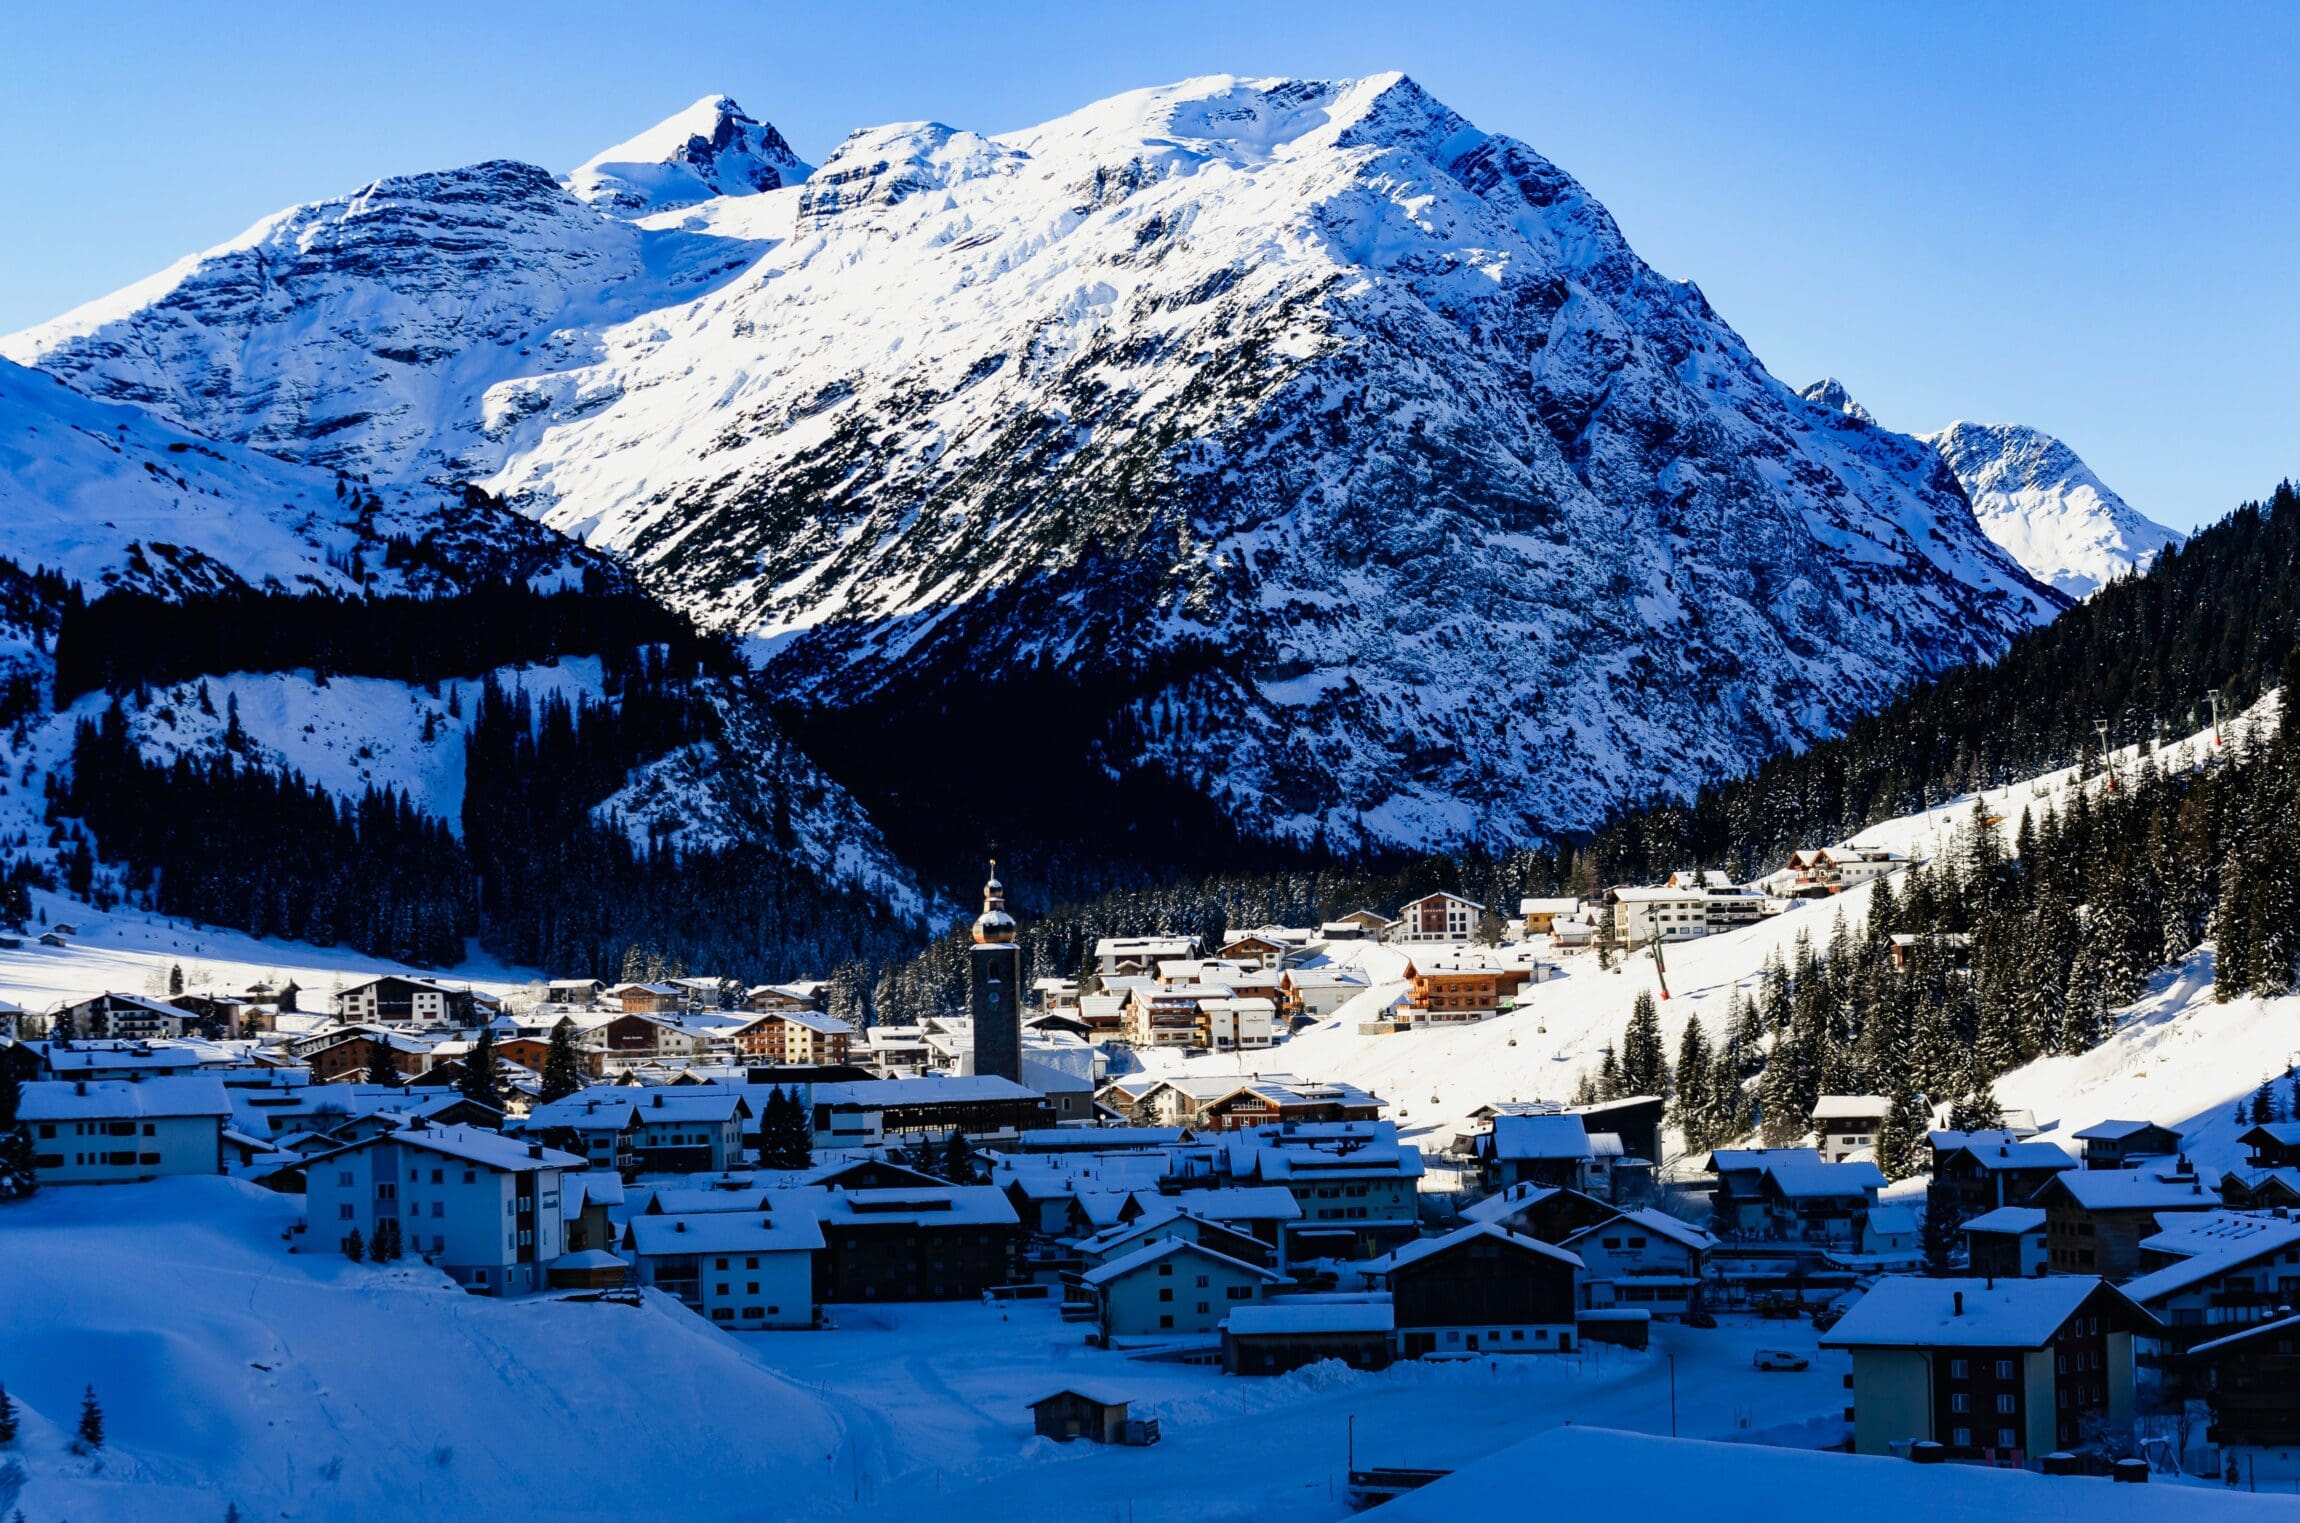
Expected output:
(679, 1226)
(80, 1088)
(535, 1150)
(1960, 1304)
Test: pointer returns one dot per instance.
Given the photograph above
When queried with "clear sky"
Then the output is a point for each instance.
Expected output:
(2083, 216)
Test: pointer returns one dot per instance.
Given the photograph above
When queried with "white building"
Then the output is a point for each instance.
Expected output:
(482, 1206)
(1437, 917)
(1173, 1286)
(1641, 915)
(1646, 1260)
(1848, 1124)
(112, 1131)
(745, 1270)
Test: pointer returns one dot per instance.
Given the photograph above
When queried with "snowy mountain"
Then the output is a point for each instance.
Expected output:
(1303, 443)
(2035, 497)
(710, 149)
(111, 497)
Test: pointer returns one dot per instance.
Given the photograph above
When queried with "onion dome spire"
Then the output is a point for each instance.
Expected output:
(993, 927)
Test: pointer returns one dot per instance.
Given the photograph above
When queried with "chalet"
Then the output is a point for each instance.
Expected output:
(1848, 1124)
(354, 1052)
(1266, 1102)
(979, 1105)
(1819, 1203)
(1997, 1370)
(1254, 947)
(1357, 925)
(950, 1243)
(1353, 1203)
(2254, 1381)
(688, 1128)
(600, 1126)
(582, 993)
(1481, 1288)
(116, 1059)
(113, 1131)
(2007, 1243)
(1546, 1212)
(1165, 1016)
(1952, 950)
(1237, 1025)
(646, 999)
(2096, 1218)
(1549, 1150)
(2261, 1189)
(2122, 1144)
(2210, 1271)
(1266, 1213)
(1467, 983)
(122, 1017)
(1119, 956)
(1276, 1337)
(1981, 1171)
(1172, 1218)
(484, 1207)
(1172, 1285)
(586, 1200)
(745, 1270)
(1642, 1260)
(1538, 917)
(1437, 917)
(794, 1036)
(2274, 1145)
(806, 996)
(1319, 992)
(399, 1001)
(532, 1052)
(1737, 1199)
(1832, 870)
(1635, 1119)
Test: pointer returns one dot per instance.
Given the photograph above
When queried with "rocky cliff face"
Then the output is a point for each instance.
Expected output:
(2044, 505)
(1330, 457)
(713, 148)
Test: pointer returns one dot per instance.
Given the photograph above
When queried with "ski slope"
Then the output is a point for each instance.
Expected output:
(2176, 1057)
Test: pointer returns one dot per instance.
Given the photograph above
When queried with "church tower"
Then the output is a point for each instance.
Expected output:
(994, 995)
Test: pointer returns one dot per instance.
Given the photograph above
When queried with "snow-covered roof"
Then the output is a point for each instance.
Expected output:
(2117, 1131)
(1415, 1252)
(1308, 1315)
(110, 1099)
(1166, 1248)
(1736, 1160)
(1534, 1138)
(1507, 1203)
(2215, 1243)
(878, 1094)
(1232, 1203)
(2016, 1220)
(86, 1057)
(477, 1145)
(951, 1205)
(1850, 1107)
(1580, 1471)
(2260, 1329)
(785, 1231)
(2133, 1190)
(2013, 1157)
(1909, 1311)
(1659, 1223)
(1802, 1179)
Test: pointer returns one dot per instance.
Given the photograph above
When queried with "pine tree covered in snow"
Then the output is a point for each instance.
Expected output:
(482, 1079)
(562, 1065)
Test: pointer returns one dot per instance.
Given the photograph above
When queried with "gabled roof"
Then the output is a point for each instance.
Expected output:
(1415, 1252)
(471, 1144)
(1659, 1223)
(1505, 1204)
(1231, 1203)
(2116, 1131)
(2215, 1243)
(2131, 1190)
(2016, 1157)
(2018, 1220)
(1166, 1248)
(2261, 1329)
(1800, 1179)
(1909, 1311)
(1850, 1107)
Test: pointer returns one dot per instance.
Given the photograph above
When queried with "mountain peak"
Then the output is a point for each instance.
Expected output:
(1829, 392)
(712, 148)
(2038, 499)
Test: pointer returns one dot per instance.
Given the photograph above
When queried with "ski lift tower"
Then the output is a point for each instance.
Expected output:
(2107, 757)
(2214, 695)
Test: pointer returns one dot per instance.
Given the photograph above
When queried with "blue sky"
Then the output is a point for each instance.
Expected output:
(2085, 217)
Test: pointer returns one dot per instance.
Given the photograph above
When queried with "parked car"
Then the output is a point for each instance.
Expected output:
(1780, 1359)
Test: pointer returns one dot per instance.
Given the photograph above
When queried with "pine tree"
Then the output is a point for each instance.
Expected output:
(89, 1436)
(958, 1158)
(354, 1248)
(382, 1064)
(482, 1079)
(562, 1066)
(19, 1167)
(7, 1418)
(175, 979)
(1901, 1138)
(2263, 1104)
(1938, 1236)
(1644, 1064)
(1695, 1110)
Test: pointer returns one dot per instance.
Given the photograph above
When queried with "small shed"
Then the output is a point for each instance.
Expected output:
(1071, 1413)
(589, 1269)
(1277, 1338)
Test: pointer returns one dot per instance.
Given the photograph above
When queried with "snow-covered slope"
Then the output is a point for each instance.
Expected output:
(713, 148)
(241, 1366)
(113, 498)
(2176, 1056)
(2046, 507)
(1347, 453)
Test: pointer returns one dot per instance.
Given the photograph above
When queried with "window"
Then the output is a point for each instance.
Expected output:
(2004, 1369)
(751, 1289)
(1241, 1292)
(343, 1176)
(439, 1176)
(1960, 1402)
(343, 1212)
(439, 1208)
(1962, 1438)
(1166, 1321)
(2007, 1439)
(1203, 1308)
(1166, 1293)
(2005, 1404)
(718, 1263)
(1957, 1369)
(1203, 1282)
